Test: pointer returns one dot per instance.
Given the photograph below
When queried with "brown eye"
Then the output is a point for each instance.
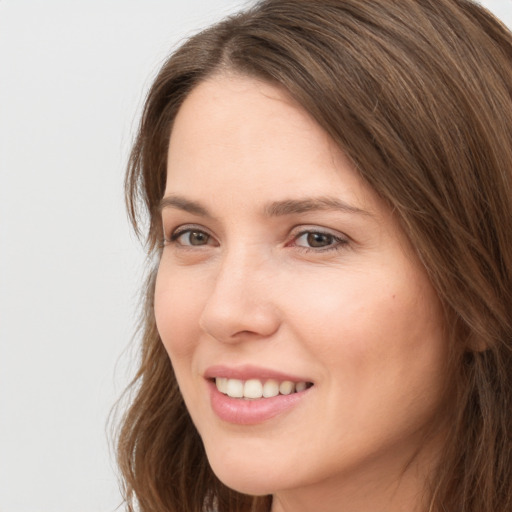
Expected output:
(198, 238)
(191, 237)
(315, 239)
(319, 239)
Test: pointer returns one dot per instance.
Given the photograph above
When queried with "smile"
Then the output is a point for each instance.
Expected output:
(256, 388)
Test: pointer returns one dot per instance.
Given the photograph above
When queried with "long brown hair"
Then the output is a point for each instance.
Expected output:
(418, 94)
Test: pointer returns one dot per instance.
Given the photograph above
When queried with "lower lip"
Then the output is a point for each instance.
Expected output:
(250, 412)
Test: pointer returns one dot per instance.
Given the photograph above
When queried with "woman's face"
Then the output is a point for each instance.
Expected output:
(283, 270)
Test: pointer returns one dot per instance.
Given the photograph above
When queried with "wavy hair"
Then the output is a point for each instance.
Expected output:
(418, 94)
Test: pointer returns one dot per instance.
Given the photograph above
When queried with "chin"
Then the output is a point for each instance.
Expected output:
(246, 476)
(247, 485)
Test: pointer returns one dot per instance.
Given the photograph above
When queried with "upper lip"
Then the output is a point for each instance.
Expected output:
(246, 372)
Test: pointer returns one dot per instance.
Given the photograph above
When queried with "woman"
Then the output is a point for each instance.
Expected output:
(328, 327)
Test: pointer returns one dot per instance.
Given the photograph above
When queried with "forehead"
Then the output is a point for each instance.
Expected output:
(239, 136)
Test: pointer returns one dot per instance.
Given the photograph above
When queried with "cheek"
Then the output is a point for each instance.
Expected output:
(343, 309)
(370, 323)
(177, 306)
(383, 353)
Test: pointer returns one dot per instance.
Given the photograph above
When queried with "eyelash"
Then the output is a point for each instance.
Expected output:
(338, 242)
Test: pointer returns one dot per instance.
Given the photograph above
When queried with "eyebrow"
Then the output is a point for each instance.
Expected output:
(182, 203)
(273, 209)
(295, 206)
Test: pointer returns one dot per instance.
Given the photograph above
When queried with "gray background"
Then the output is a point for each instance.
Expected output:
(72, 79)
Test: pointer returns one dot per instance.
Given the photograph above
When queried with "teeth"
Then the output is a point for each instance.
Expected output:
(235, 388)
(286, 387)
(300, 386)
(270, 388)
(254, 388)
(222, 385)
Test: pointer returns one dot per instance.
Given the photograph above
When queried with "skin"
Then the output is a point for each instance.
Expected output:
(356, 315)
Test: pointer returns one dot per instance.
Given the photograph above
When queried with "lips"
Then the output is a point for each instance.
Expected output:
(250, 395)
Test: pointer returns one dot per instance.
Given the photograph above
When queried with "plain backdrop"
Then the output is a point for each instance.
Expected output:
(73, 74)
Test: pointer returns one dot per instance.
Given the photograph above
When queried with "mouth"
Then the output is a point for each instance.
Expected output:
(254, 389)
(251, 395)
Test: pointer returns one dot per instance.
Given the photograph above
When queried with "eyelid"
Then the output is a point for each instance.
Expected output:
(303, 229)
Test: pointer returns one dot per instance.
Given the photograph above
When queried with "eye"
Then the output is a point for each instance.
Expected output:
(191, 237)
(316, 240)
(319, 240)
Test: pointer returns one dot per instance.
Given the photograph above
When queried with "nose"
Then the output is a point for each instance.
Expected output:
(240, 305)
